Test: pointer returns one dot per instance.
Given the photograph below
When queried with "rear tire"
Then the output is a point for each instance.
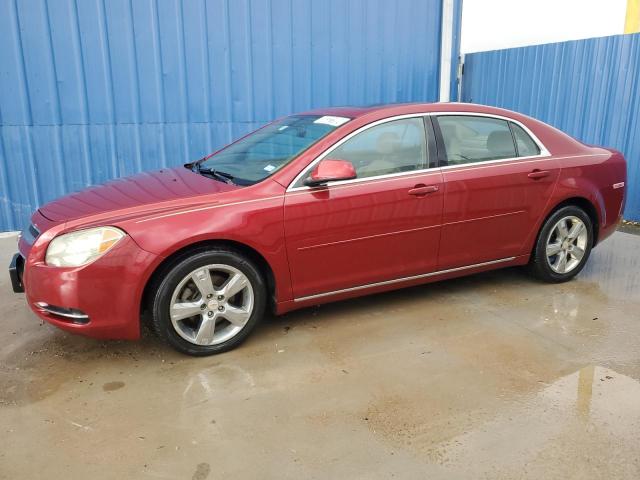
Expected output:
(207, 302)
(563, 245)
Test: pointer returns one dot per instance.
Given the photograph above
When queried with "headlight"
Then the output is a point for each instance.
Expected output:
(81, 247)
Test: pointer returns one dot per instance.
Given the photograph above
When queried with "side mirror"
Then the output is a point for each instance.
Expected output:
(330, 170)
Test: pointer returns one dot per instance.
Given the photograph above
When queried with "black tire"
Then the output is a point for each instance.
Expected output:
(169, 278)
(539, 265)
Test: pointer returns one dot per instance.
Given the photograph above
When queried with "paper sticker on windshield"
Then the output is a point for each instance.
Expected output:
(269, 168)
(333, 121)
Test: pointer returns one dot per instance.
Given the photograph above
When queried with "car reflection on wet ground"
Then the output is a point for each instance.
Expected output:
(490, 376)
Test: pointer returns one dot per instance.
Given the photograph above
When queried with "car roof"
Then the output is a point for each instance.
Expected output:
(408, 108)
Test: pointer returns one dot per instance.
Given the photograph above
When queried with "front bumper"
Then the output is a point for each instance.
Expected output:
(100, 300)
(16, 270)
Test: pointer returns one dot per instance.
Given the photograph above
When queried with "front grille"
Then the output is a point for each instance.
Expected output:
(34, 231)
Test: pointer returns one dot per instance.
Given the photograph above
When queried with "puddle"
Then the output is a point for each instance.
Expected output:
(614, 267)
(588, 421)
(111, 386)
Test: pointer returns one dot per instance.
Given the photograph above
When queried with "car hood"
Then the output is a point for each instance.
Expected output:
(166, 188)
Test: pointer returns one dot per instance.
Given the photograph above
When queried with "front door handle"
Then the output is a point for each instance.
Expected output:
(537, 174)
(421, 190)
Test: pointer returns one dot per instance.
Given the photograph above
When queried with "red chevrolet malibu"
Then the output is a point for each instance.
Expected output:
(313, 208)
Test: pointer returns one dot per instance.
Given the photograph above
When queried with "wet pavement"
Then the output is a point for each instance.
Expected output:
(490, 376)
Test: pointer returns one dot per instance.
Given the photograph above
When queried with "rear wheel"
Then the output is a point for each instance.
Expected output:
(563, 246)
(208, 302)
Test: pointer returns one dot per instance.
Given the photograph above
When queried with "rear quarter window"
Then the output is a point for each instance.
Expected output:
(526, 146)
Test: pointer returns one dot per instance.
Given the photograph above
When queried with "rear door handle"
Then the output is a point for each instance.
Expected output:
(420, 190)
(536, 174)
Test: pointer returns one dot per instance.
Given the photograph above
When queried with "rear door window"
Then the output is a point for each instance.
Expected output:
(471, 139)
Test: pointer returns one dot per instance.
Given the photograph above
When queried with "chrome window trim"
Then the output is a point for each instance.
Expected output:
(377, 179)
(491, 163)
(544, 153)
(403, 279)
(390, 176)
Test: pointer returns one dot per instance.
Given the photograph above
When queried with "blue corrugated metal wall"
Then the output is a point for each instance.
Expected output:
(95, 89)
(587, 88)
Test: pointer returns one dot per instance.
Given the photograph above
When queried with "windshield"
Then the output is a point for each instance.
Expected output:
(265, 151)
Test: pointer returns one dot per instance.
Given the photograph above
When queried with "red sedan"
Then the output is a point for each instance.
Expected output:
(313, 208)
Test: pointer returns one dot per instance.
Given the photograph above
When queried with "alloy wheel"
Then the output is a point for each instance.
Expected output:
(212, 304)
(566, 244)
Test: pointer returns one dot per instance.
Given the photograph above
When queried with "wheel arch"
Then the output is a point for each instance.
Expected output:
(582, 202)
(251, 253)
(586, 205)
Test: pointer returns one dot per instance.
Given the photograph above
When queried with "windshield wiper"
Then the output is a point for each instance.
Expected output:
(217, 174)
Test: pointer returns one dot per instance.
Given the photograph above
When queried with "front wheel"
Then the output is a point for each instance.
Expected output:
(208, 302)
(563, 246)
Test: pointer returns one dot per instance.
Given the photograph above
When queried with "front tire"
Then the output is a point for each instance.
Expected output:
(207, 302)
(563, 245)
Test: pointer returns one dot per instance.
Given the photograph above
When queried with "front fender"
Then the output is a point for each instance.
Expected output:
(255, 222)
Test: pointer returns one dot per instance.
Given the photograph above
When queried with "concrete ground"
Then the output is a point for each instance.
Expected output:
(490, 376)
